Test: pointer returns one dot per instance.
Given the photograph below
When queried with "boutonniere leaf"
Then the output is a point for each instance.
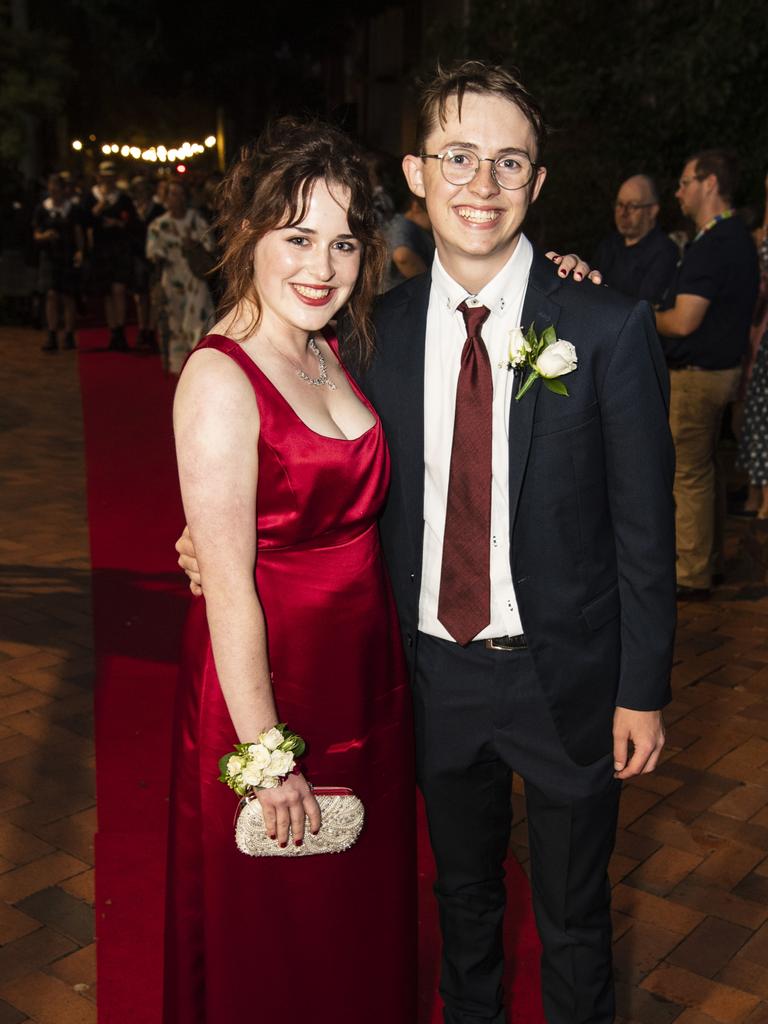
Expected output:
(545, 355)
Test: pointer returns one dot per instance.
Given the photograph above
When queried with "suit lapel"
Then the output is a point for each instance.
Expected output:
(412, 329)
(538, 309)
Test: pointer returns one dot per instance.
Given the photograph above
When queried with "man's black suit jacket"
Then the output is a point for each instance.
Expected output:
(590, 496)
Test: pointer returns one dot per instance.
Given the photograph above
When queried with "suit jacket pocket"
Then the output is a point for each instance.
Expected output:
(568, 421)
(603, 608)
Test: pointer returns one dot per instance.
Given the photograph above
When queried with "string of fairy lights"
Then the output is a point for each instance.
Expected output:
(152, 154)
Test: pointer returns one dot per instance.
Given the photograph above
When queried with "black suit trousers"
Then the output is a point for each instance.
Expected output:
(480, 715)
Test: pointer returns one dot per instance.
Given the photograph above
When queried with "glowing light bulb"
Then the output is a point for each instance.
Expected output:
(135, 152)
(77, 144)
(172, 154)
(125, 151)
(114, 147)
(181, 169)
(106, 150)
(210, 141)
(162, 153)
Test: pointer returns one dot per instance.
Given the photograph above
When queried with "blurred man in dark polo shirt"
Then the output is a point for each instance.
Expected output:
(705, 332)
(637, 259)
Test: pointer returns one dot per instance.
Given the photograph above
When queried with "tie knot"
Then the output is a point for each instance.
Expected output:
(474, 318)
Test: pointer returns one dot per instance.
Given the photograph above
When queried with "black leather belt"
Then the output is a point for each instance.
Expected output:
(505, 643)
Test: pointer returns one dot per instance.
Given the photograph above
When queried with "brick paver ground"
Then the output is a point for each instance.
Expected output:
(691, 866)
(47, 812)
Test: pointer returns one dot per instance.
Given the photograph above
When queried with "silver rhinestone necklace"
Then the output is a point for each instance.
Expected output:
(322, 379)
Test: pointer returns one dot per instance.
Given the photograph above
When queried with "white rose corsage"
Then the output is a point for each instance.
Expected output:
(263, 764)
(546, 356)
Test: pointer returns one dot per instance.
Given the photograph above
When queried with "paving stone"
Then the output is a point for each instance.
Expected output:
(711, 899)
(48, 1000)
(709, 948)
(663, 870)
(753, 887)
(727, 866)
(641, 1007)
(742, 803)
(644, 906)
(745, 975)
(757, 947)
(10, 1015)
(721, 1002)
(38, 874)
(640, 949)
(62, 911)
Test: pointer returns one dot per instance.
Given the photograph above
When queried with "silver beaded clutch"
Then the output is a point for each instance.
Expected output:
(342, 813)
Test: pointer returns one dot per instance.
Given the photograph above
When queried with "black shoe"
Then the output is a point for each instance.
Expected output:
(693, 593)
(52, 344)
(69, 341)
(117, 342)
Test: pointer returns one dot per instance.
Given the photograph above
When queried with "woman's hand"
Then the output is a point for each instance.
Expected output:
(188, 562)
(288, 807)
(580, 268)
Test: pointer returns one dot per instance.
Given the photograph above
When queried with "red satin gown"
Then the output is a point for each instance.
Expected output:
(329, 939)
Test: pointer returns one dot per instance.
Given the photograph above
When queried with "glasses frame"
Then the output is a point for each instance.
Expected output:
(480, 159)
(632, 207)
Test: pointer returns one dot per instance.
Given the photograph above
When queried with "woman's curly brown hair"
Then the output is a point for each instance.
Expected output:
(270, 186)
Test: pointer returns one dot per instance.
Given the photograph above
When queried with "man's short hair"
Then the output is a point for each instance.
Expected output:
(723, 165)
(650, 184)
(474, 76)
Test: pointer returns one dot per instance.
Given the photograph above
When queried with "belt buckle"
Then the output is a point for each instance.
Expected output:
(496, 643)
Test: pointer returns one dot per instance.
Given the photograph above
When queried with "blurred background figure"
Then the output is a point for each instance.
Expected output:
(182, 246)
(147, 210)
(403, 220)
(753, 443)
(704, 327)
(409, 241)
(637, 259)
(111, 221)
(58, 233)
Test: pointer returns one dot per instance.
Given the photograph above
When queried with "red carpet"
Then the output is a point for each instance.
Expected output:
(139, 604)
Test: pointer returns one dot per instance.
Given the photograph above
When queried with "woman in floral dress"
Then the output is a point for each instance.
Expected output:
(188, 303)
(753, 443)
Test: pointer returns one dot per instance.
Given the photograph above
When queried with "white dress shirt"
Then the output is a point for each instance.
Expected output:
(446, 335)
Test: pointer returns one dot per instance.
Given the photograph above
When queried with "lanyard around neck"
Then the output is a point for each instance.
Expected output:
(710, 224)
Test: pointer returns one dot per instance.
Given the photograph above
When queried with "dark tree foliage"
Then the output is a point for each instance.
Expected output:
(628, 87)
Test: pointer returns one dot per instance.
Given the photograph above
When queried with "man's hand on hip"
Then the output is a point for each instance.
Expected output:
(638, 739)
(188, 562)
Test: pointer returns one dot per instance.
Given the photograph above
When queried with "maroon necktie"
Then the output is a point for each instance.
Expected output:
(464, 604)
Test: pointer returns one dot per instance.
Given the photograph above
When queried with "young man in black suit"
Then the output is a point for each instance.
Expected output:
(531, 547)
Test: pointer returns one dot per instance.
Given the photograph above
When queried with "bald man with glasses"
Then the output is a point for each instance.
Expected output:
(637, 259)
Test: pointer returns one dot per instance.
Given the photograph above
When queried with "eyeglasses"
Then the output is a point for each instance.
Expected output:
(631, 207)
(459, 167)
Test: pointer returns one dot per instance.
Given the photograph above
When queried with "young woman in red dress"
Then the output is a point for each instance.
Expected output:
(284, 469)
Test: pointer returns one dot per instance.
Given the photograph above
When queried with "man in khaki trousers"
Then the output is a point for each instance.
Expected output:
(705, 330)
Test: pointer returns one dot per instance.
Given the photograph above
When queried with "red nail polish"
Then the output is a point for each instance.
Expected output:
(317, 833)
(271, 836)
(298, 842)
(283, 845)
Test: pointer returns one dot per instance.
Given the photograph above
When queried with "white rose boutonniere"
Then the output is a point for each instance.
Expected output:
(547, 357)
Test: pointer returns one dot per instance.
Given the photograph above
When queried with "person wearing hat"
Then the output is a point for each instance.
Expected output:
(111, 220)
